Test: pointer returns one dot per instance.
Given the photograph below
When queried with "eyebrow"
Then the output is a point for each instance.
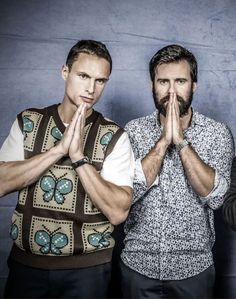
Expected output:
(104, 79)
(166, 79)
(86, 74)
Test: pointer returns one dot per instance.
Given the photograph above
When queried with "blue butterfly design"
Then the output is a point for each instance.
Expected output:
(55, 188)
(28, 126)
(100, 239)
(51, 242)
(56, 133)
(14, 231)
(106, 138)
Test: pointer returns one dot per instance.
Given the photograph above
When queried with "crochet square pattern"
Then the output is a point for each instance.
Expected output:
(51, 237)
(104, 136)
(56, 189)
(31, 121)
(97, 236)
(16, 229)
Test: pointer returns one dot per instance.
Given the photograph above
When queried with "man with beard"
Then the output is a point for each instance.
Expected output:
(183, 161)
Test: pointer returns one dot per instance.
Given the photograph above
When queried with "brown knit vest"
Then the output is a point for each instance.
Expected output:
(55, 225)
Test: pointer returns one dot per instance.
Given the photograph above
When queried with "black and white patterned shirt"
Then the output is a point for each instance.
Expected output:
(170, 229)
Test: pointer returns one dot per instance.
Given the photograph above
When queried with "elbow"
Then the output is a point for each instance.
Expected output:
(3, 190)
(119, 215)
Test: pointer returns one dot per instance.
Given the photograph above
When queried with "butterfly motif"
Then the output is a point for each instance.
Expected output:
(105, 139)
(28, 126)
(56, 133)
(55, 187)
(14, 231)
(50, 242)
(100, 239)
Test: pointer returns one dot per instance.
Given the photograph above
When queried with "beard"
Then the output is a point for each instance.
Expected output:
(161, 105)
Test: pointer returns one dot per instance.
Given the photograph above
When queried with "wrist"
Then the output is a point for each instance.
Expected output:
(178, 140)
(162, 143)
(181, 145)
(76, 156)
(57, 151)
(82, 161)
(161, 147)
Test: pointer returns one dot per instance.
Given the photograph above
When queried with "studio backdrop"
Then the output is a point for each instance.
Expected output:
(35, 37)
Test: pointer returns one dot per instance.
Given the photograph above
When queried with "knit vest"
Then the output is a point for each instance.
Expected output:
(55, 224)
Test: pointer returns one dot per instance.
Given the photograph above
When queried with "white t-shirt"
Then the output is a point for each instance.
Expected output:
(118, 167)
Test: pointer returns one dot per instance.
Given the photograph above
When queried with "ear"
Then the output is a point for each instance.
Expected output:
(64, 72)
(194, 86)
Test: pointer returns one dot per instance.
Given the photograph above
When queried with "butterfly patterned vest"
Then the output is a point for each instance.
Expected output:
(55, 225)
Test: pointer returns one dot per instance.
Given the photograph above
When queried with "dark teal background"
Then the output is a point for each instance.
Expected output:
(35, 37)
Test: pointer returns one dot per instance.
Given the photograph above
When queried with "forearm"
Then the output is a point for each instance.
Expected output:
(152, 162)
(200, 176)
(16, 175)
(112, 200)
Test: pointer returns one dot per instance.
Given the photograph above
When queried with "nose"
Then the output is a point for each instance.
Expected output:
(172, 88)
(91, 86)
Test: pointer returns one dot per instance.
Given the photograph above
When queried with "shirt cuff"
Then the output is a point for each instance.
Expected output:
(220, 187)
(139, 176)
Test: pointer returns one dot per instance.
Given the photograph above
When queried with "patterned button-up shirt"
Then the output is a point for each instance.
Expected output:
(170, 228)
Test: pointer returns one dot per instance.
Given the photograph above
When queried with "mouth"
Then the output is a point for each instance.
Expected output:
(87, 99)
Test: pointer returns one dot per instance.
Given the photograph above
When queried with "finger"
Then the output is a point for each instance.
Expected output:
(169, 107)
(84, 110)
(69, 132)
(168, 121)
(80, 110)
(75, 117)
(77, 134)
(177, 106)
(168, 111)
(70, 128)
(80, 124)
(175, 115)
(172, 104)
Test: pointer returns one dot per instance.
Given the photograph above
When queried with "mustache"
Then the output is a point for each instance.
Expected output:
(167, 98)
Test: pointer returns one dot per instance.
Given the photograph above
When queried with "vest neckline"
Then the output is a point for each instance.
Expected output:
(59, 123)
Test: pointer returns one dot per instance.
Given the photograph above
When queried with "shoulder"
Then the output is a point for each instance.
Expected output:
(105, 121)
(108, 121)
(28, 118)
(39, 110)
(214, 127)
(142, 123)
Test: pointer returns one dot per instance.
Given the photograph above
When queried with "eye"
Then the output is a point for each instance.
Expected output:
(163, 82)
(181, 81)
(83, 76)
(101, 81)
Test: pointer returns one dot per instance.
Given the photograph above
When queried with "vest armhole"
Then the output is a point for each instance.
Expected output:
(20, 121)
(113, 141)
